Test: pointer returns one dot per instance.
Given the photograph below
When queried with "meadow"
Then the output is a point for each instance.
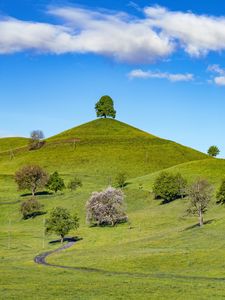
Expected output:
(160, 253)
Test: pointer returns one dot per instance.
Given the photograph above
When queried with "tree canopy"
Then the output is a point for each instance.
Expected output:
(31, 177)
(105, 107)
(61, 222)
(55, 182)
(213, 151)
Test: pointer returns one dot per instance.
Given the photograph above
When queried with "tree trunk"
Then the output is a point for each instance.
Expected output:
(200, 218)
(62, 238)
(33, 191)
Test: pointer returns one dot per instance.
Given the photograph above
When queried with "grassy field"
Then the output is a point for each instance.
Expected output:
(159, 254)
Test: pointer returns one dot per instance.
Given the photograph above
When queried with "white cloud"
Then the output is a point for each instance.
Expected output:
(218, 80)
(197, 34)
(158, 34)
(138, 73)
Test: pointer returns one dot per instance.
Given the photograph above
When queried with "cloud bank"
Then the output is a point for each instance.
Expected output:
(157, 34)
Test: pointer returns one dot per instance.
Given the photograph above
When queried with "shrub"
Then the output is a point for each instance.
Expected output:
(106, 207)
(55, 182)
(220, 196)
(169, 186)
(120, 180)
(30, 208)
(74, 184)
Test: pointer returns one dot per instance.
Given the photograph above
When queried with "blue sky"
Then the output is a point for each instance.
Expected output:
(162, 62)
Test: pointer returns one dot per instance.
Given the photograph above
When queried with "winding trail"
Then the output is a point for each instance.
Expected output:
(41, 259)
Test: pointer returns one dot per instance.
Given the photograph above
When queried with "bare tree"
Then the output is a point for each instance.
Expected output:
(36, 138)
(200, 194)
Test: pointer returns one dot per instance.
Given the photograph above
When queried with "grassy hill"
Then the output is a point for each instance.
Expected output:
(103, 148)
(212, 169)
(11, 143)
(159, 254)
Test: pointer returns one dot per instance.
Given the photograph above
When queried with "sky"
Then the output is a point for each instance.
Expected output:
(161, 61)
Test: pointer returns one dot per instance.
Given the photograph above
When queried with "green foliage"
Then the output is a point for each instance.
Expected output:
(61, 222)
(55, 182)
(213, 151)
(106, 208)
(74, 183)
(200, 194)
(169, 187)
(105, 107)
(220, 196)
(30, 208)
(31, 177)
(120, 180)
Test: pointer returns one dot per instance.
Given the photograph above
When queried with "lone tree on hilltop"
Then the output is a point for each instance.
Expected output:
(55, 182)
(36, 138)
(31, 177)
(106, 208)
(61, 222)
(105, 107)
(200, 193)
(213, 151)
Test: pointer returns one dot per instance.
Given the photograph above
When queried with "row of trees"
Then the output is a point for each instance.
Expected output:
(169, 187)
(33, 177)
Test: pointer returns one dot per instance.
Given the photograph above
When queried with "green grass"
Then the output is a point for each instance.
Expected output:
(11, 143)
(159, 254)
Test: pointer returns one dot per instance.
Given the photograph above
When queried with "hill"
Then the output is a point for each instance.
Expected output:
(11, 143)
(212, 169)
(103, 148)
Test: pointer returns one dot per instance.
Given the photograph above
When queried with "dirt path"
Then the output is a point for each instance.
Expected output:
(41, 259)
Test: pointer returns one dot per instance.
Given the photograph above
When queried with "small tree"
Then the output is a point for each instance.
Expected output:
(55, 182)
(213, 151)
(74, 183)
(36, 138)
(220, 196)
(200, 193)
(169, 186)
(31, 177)
(30, 208)
(105, 107)
(61, 222)
(121, 180)
(106, 207)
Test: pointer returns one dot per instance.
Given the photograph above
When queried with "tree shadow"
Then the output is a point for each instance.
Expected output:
(197, 225)
(67, 239)
(34, 214)
(163, 202)
(43, 193)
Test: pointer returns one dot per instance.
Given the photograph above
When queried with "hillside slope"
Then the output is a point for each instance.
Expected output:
(103, 148)
(10, 143)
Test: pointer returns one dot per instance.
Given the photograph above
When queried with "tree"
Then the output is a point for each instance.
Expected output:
(213, 151)
(36, 138)
(74, 183)
(55, 182)
(61, 222)
(169, 186)
(220, 196)
(121, 180)
(106, 207)
(105, 107)
(30, 208)
(200, 194)
(31, 177)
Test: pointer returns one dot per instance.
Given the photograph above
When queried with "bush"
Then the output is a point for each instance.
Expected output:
(220, 196)
(169, 187)
(30, 208)
(74, 184)
(106, 208)
(55, 183)
(121, 180)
